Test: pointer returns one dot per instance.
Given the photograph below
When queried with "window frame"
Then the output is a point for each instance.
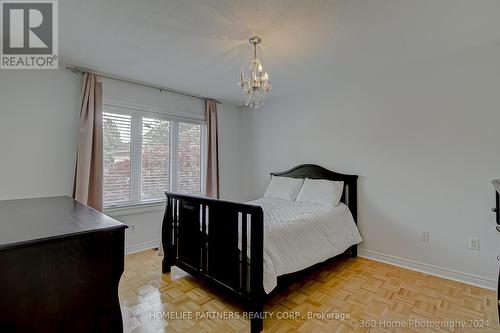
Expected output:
(137, 112)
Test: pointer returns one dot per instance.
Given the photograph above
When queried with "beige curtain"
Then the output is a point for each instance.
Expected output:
(212, 179)
(88, 187)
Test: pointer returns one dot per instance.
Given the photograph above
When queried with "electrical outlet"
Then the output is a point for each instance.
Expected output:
(132, 228)
(473, 243)
(425, 236)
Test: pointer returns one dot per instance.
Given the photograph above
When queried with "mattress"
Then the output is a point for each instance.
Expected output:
(298, 235)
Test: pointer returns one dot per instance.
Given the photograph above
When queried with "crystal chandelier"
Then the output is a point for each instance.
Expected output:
(253, 80)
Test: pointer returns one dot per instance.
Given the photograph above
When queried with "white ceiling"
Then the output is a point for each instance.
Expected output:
(199, 45)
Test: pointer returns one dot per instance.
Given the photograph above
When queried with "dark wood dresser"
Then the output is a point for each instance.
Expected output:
(496, 210)
(60, 265)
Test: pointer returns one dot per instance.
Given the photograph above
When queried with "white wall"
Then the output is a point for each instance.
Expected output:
(422, 135)
(39, 120)
(153, 99)
(231, 153)
(39, 116)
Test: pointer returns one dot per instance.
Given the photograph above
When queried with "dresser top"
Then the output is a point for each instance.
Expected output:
(496, 184)
(27, 221)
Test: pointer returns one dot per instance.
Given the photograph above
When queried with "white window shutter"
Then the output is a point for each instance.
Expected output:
(146, 154)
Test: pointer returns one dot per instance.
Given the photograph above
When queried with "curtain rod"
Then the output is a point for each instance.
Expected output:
(82, 70)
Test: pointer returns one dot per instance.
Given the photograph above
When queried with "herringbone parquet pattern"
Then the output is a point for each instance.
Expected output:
(350, 295)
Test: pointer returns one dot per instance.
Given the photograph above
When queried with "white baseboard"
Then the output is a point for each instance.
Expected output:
(472, 279)
(134, 248)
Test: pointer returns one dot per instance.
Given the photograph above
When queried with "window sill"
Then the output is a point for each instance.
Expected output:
(135, 209)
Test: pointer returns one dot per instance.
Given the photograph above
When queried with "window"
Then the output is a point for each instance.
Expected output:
(116, 145)
(155, 167)
(189, 158)
(146, 154)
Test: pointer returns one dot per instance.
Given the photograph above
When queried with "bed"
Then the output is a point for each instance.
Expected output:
(207, 237)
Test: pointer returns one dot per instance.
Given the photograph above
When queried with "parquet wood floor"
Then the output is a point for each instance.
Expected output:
(371, 297)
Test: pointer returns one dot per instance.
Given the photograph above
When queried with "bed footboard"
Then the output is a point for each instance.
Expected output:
(220, 242)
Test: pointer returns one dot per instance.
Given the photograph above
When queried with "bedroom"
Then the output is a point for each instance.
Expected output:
(401, 94)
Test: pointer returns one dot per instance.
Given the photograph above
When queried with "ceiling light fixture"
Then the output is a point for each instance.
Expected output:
(253, 79)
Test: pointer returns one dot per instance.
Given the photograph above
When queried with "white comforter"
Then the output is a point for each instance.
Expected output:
(298, 235)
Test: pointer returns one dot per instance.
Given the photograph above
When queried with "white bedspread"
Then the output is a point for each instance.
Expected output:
(298, 235)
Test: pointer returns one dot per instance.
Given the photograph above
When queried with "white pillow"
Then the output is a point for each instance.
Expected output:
(321, 191)
(284, 188)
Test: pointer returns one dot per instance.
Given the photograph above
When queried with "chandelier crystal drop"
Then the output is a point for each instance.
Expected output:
(254, 81)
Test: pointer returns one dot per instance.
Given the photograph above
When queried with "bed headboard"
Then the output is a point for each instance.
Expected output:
(349, 195)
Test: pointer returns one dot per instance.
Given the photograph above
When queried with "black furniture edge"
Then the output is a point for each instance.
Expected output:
(496, 184)
(49, 239)
(201, 236)
(105, 222)
(496, 210)
(61, 264)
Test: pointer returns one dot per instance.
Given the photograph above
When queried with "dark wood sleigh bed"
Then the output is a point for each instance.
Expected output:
(203, 237)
